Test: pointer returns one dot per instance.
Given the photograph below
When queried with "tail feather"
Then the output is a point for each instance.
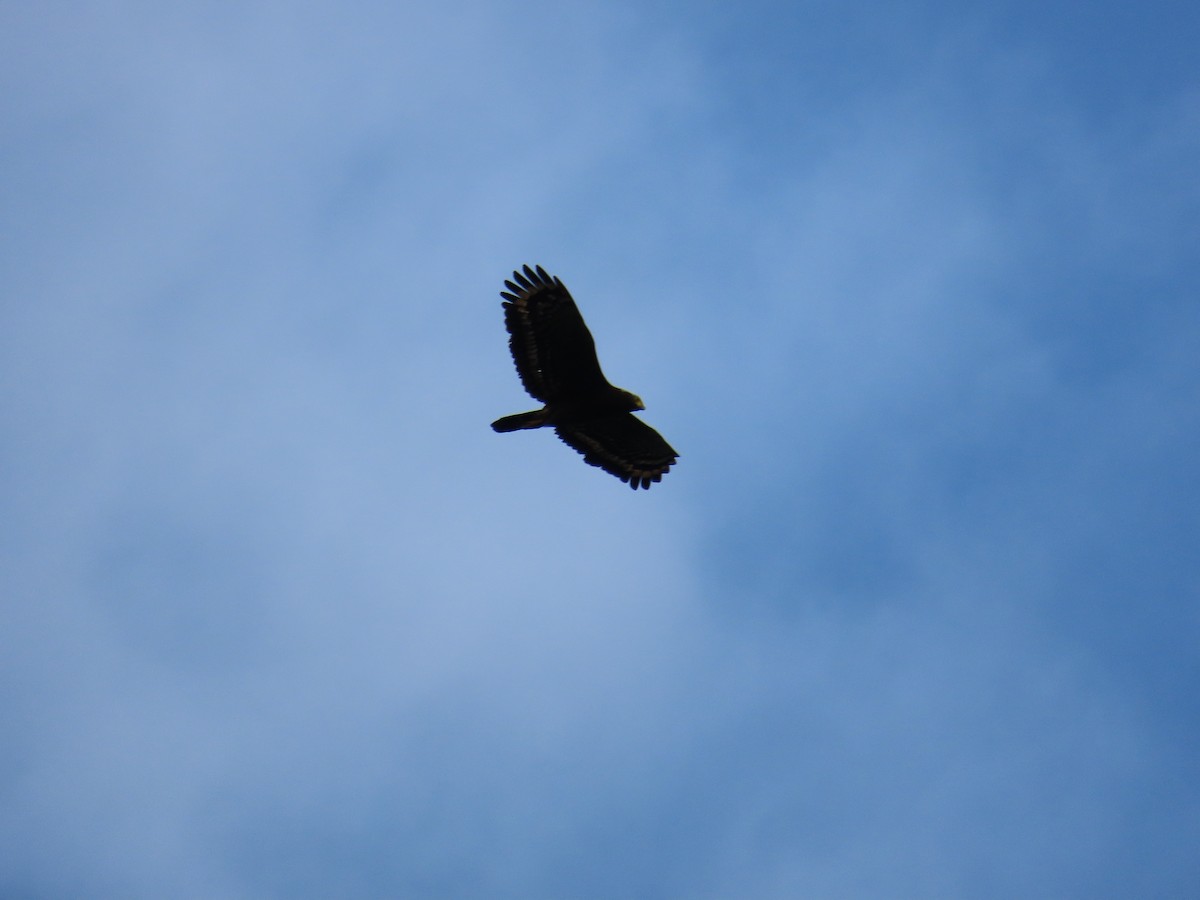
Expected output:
(534, 419)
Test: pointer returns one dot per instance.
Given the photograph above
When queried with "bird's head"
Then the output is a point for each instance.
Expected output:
(635, 402)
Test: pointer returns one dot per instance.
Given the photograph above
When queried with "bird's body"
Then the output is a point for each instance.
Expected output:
(557, 363)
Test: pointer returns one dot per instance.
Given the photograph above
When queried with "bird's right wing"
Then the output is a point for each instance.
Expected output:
(550, 343)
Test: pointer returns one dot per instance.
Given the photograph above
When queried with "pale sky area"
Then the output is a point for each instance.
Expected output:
(914, 290)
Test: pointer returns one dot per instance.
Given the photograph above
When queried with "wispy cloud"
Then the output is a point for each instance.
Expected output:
(914, 616)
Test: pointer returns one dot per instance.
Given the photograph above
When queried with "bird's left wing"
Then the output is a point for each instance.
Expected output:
(623, 445)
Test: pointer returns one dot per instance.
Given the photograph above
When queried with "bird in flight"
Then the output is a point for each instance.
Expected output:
(556, 361)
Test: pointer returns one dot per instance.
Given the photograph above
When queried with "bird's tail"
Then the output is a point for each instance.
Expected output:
(534, 419)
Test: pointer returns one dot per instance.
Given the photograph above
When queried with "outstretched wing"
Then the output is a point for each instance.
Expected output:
(623, 445)
(551, 345)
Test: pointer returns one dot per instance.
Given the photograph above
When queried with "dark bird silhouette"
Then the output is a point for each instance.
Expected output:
(556, 361)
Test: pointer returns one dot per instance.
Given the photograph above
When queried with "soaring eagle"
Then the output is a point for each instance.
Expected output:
(556, 360)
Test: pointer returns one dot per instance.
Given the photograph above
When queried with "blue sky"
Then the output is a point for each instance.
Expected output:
(913, 290)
